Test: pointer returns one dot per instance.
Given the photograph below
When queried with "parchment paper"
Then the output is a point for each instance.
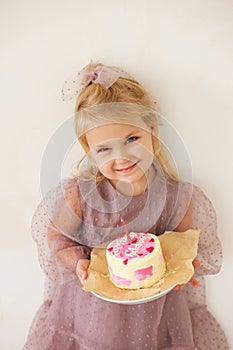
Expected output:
(179, 250)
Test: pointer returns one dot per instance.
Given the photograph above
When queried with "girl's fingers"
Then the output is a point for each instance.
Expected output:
(82, 275)
(178, 287)
(196, 263)
(193, 282)
(81, 270)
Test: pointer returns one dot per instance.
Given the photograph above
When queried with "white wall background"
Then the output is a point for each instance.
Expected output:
(181, 50)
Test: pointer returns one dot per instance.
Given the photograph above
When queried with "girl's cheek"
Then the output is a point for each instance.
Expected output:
(104, 167)
(102, 164)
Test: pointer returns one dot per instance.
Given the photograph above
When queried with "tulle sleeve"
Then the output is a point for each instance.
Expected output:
(204, 218)
(207, 332)
(54, 226)
(196, 211)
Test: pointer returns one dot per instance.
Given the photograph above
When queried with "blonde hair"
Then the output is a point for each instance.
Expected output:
(132, 95)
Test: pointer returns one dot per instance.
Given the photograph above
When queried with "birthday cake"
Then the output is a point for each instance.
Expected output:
(138, 264)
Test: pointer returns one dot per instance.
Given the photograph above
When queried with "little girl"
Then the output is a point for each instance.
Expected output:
(126, 173)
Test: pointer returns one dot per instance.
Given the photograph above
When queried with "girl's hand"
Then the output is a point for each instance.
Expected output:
(193, 280)
(81, 269)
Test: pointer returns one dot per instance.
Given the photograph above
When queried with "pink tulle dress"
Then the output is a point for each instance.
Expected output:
(71, 319)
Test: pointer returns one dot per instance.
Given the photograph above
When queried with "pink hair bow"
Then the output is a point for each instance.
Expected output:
(103, 75)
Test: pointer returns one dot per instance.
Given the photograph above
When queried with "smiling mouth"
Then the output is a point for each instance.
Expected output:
(128, 169)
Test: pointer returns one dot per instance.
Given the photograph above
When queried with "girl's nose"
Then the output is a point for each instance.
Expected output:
(120, 155)
(121, 160)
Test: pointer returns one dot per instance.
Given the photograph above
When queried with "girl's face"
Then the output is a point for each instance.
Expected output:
(122, 152)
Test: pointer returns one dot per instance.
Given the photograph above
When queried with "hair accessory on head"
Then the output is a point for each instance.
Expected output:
(103, 75)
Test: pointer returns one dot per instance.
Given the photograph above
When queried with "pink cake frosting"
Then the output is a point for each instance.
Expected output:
(137, 264)
(141, 245)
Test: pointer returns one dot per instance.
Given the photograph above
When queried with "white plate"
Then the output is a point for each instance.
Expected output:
(136, 301)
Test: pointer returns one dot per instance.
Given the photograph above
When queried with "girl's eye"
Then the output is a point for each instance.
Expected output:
(131, 139)
(103, 149)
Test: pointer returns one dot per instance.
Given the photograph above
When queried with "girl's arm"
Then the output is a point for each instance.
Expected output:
(66, 250)
(66, 221)
(201, 215)
(185, 225)
(186, 222)
(209, 248)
